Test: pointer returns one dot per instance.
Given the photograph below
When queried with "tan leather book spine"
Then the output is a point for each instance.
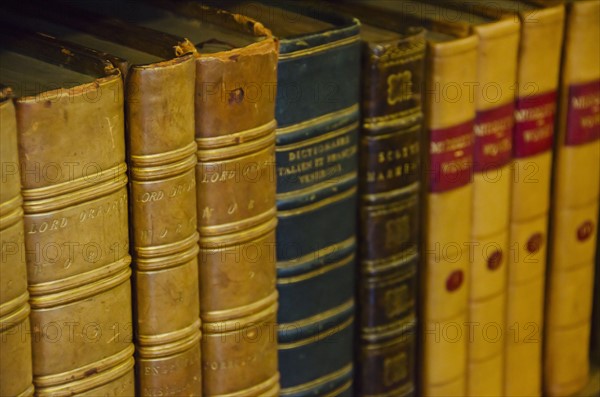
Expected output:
(160, 118)
(448, 217)
(235, 136)
(15, 340)
(159, 103)
(540, 47)
(494, 100)
(72, 155)
(576, 190)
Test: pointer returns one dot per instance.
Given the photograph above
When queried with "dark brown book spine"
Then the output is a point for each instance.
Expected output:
(388, 213)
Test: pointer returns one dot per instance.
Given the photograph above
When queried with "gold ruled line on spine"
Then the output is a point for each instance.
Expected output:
(100, 366)
(318, 139)
(239, 226)
(14, 318)
(88, 194)
(10, 306)
(166, 262)
(171, 348)
(237, 137)
(232, 320)
(152, 160)
(319, 204)
(401, 327)
(237, 152)
(28, 392)
(385, 282)
(74, 185)
(319, 186)
(10, 205)
(372, 345)
(222, 242)
(317, 272)
(377, 265)
(320, 48)
(170, 337)
(317, 254)
(317, 382)
(78, 280)
(339, 390)
(397, 119)
(11, 219)
(239, 312)
(143, 174)
(412, 188)
(318, 120)
(318, 317)
(271, 385)
(80, 293)
(167, 249)
(88, 383)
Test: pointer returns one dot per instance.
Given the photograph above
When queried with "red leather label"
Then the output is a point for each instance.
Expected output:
(495, 260)
(454, 280)
(534, 124)
(493, 138)
(451, 161)
(583, 119)
(535, 243)
(585, 231)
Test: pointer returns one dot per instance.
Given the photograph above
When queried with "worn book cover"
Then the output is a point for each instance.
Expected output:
(70, 126)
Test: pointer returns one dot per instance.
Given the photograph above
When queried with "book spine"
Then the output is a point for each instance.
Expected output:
(494, 121)
(160, 118)
(15, 338)
(316, 154)
(576, 190)
(389, 193)
(235, 136)
(72, 154)
(535, 108)
(448, 212)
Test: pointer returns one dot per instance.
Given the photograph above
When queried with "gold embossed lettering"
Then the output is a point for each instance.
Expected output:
(151, 196)
(43, 227)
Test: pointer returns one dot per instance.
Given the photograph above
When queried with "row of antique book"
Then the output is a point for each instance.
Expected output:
(278, 199)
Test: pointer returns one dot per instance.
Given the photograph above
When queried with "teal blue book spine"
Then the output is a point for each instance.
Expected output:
(317, 111)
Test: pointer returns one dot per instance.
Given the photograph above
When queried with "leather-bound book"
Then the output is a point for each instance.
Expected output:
(317, 113)
(539, 63)
(236, 75)
(389, 185)
(70, 124)
(494, 94)
(447, 202)
(575, 198)
(448, 208)
(533, 136)
(393, 60)
(159, 101)
(389, 189)
(15, 338)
